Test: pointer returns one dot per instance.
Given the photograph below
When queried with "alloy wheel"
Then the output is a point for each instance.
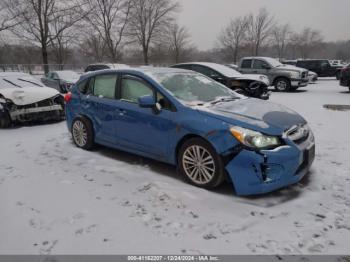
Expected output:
(198, 164)
(79, 133)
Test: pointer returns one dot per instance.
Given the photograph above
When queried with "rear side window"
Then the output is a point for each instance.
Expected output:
(83, 86)
(105, 86)
(247, 63)
(132, 88)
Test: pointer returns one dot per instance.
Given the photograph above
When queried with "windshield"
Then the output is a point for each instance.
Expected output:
(273, 62)
(68, 75)
(18, 81)
(193, 88)
(225, 70)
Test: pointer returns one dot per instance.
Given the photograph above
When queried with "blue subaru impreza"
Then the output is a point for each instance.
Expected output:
(186, 119)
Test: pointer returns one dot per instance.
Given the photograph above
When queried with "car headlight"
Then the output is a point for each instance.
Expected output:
(254, 139)
(295, 75)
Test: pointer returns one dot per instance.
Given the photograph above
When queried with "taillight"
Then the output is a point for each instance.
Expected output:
(67, 97)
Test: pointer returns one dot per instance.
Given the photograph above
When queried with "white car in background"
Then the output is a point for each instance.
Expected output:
(24, 98)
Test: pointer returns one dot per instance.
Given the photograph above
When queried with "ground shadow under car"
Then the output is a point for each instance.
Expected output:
(266, 200)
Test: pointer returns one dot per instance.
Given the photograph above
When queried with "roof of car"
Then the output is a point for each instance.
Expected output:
(142, 70)
(225, 70)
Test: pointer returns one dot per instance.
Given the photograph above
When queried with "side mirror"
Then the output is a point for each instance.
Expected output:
(147, 101)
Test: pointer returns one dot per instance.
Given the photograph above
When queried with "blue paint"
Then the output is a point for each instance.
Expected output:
(143, 131)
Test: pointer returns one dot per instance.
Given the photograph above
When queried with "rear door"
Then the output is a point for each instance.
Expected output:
(100, 104)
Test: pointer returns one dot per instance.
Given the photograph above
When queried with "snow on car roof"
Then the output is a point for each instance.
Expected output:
(224, 70)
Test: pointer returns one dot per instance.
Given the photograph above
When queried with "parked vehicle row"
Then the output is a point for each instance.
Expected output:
(187, 119)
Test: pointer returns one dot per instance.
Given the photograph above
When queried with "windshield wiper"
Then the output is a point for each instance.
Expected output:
(224, 99)
(28, 81)
(8, 81)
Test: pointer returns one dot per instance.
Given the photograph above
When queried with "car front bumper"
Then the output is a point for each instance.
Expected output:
(299, 82)
(260, 172)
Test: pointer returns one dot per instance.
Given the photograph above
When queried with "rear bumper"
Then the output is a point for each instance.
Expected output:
(261, 172)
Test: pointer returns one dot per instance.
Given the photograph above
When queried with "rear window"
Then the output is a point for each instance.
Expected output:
(247, 63)
(105, 86)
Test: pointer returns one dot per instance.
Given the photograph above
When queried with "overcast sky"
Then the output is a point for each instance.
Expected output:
(206, 18)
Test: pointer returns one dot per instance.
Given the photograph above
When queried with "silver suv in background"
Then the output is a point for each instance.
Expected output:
(283, 77)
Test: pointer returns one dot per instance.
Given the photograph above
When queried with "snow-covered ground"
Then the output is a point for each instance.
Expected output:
(57, 199)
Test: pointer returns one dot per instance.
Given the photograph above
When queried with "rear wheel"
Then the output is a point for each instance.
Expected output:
(199, 164)
(82, 133)
(282, 84)
(5, 119)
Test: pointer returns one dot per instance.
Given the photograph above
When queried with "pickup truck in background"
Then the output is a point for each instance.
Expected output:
(283, 77)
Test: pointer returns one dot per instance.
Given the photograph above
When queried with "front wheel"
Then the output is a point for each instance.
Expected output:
(282, 85)
(5, 119)
(82, 133)
(199, 164)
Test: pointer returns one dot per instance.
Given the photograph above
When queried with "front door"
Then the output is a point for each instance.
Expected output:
(145, 130)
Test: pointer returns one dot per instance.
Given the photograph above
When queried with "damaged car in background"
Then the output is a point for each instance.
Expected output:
(24, 98)
(249, 85)
(61, 80)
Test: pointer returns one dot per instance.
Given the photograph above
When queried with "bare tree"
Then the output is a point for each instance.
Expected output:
(179, 41)
(93, 47)
(35, 18)
(280, 38)
(306, 41)
(234, 35)
(260, 29)
(149, 22)
(110, 18)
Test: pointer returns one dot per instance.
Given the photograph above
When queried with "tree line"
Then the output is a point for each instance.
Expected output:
(140, 32)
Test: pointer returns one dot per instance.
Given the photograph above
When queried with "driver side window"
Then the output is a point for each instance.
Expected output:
(204, 70)
(132, 88)
(259, 64)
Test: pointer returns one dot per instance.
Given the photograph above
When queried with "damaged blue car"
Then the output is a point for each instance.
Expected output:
(184, 118)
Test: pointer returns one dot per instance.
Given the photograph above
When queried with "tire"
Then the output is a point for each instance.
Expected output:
(5, 119)
(337, 75)
(82, 133)
(210, 173)
(282, 84)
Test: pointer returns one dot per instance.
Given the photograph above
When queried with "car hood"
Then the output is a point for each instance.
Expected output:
(260, 78)
(266, 117)
(291, 68)
(28, 95)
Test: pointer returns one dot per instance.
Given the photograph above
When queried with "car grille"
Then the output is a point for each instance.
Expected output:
(57, 100)
(298, 134)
